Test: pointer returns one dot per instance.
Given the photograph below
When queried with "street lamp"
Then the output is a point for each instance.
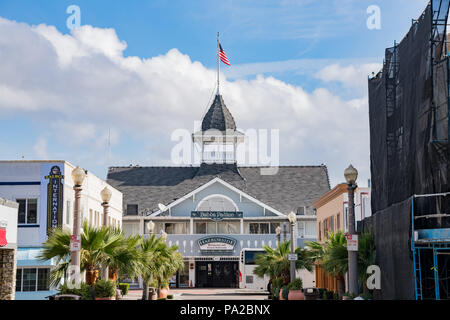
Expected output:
(293, 220)
(351, 174)
(278, 233)
(150, 227)
(106, 196)
(78, 176)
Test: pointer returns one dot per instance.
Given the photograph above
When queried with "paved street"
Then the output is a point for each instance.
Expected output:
(207, 294)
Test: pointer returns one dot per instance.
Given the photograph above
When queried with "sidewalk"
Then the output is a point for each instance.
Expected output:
(199, 292)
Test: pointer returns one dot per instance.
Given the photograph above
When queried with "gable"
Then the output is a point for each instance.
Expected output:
(243, 202)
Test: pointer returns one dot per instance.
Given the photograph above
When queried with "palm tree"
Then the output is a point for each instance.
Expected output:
(275, 264)
(161, 262)
(99, 247)
(332, 255)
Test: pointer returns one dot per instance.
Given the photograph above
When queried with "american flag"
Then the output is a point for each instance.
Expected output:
(222, 55)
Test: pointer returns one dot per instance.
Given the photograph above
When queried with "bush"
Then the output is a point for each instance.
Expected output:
(297, 284)
(162, 298)
(328, 295)
(349, 295)
(285, 292)
(276, 293)
(170, 296)
(85, 291)
(105, 289)
(124, 287)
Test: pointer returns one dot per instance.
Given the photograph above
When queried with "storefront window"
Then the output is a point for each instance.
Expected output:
(262, 227)
(228, 227)
(211, 228)
(273, 227)
(175, 228)
(254, 228)
(200, 228)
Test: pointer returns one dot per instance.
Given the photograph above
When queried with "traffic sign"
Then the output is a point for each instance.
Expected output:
(75, 243)
(352, 242)
(292, 257)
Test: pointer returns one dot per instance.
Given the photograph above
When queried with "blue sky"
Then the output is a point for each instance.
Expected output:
(290, 41)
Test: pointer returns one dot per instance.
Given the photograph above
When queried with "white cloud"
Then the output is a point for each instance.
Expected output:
(84, 84)
(350, 76)
(40, 148)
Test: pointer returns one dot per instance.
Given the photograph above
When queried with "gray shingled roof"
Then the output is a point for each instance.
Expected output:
(218, 117)
(292, 187)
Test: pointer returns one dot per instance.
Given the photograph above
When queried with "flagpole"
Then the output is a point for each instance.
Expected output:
(218, 64)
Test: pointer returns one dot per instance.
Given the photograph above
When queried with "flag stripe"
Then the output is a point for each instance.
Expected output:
(222, 55)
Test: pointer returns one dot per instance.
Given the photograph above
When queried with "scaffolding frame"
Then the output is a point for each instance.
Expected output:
(437, 246)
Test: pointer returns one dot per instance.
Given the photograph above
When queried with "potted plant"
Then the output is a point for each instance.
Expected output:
(164, 291)
(284, 293)
(105, 290)
(295, 290)
(124, 287)
(348, 296)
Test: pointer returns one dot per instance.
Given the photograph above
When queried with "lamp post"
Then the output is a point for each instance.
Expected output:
(78, 176)
(293, 220)
(351, 174)
(150, 227)
(278, 233)
(163, 235)
(106, 196)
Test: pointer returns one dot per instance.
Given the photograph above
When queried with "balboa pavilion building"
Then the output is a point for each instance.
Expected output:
(216, 210)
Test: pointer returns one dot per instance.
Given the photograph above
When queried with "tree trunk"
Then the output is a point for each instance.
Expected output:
(145, 291)
(91, 275)
(341, 285)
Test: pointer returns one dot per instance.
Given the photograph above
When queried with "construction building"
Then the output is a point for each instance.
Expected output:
(409, 134)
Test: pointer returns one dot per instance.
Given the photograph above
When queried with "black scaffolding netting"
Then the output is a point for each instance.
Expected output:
(408, 111)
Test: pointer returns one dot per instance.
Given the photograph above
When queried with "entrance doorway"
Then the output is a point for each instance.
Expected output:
(217, 274)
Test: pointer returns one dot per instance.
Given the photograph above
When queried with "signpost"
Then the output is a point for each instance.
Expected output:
(75, 243)
(292, 257)
(352, 242)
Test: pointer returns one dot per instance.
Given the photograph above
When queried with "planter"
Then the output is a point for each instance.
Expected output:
(107, 298)
(163, 293)
(281, 295)
(345, 298)
(296, 295)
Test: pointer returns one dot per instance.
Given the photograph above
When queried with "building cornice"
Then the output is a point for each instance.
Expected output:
(330, 195)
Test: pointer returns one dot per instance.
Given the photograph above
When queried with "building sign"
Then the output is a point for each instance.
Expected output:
(75, 243)
(3, 241)
(54, 198)
(352, 242)
(216, 243)
(217, 215)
